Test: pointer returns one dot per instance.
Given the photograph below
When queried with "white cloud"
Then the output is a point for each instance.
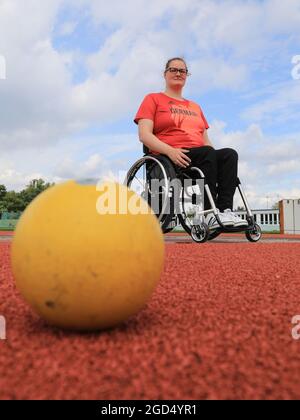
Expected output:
(281, 105)
(68, 168)
(268, 166)
(138, 14)
(17, 180)
(22, 24)
(39, 88)
(285, 167)
(287, 148)
(216, 73)
(247, 142)
(283, 17)
(34, 97)
(69, 158)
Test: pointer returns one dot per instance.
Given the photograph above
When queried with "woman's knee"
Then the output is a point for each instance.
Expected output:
(232, 153)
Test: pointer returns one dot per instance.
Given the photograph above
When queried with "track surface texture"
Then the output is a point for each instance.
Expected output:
(217, 327)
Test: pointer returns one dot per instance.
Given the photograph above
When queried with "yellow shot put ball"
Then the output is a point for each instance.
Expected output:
(82, 260)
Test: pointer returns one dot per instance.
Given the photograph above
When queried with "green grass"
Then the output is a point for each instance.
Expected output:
(8, 225)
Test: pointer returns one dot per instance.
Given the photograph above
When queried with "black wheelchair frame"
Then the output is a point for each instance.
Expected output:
(199, 232)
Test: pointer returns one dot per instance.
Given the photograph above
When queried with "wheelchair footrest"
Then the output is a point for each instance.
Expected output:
(232, 229)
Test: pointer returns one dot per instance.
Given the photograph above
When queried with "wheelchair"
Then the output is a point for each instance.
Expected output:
(173, 194)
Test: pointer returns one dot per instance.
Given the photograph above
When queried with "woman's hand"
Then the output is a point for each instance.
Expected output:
(179, 157)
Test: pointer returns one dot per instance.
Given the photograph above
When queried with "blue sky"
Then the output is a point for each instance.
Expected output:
(78, 70)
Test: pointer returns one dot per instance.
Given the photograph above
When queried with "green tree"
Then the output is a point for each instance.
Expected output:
(35, 187)
(12, 202)
(3, 191)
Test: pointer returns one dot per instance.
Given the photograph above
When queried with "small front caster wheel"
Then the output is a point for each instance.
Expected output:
(255, 234)
(200, 233)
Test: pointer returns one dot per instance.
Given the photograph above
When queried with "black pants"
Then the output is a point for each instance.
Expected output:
(220, 168)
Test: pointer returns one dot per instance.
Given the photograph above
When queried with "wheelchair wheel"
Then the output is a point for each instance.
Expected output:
(255, 234)
(200, 233)
(150, 178)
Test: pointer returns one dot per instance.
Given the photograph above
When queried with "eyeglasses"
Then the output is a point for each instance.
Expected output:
(182, 72)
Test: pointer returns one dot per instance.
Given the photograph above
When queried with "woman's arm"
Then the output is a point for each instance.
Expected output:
(207, 142)
(147, 137)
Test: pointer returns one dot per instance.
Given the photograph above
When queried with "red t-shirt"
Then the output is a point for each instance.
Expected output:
(177, 123)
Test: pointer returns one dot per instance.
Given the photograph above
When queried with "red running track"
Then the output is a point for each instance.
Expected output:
(217, 327)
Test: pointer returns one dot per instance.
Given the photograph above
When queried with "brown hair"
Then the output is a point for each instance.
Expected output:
(173, 59)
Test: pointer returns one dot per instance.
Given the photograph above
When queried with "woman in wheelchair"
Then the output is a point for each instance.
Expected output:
(175, 127)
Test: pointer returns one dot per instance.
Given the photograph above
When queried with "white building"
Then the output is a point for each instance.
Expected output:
(285, 220)
(290, 216)
(268, 220)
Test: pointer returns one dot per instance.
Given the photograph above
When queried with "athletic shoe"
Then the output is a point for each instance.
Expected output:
(225, 218)
(238, 221)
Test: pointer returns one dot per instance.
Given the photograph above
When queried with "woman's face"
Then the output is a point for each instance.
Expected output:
(175, 79)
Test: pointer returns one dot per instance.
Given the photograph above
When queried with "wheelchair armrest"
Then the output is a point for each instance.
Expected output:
(146, 150)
